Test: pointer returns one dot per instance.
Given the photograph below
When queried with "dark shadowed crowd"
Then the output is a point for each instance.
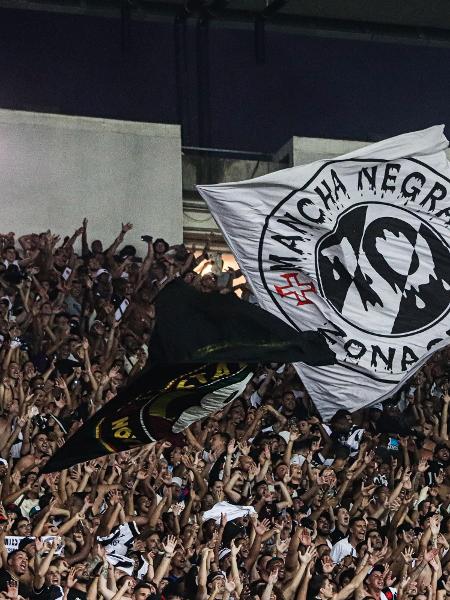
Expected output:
(262, 501)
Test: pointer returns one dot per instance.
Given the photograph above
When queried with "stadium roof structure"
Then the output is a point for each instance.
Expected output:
(427, 21)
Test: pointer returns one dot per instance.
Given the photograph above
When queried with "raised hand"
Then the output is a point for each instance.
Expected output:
(232, 446)
(188, 462)
(169, 546)
(403, 441)
(435, 525)
(139, 545)
(403, 583)
(369, 457)
(406, 476)
(100, 551)
(273, 577)
(87, 504)
(395, 504)
(305, 537)
(142, 474)
(282, 546)
(89, 467)
(327, 564)
(113, 372)
(293, 435)
(113, 497)
(12, 589)
(422, 466)
(213, 541)
(367, 490)
(446, 396)
(430, 555)
(126, 227)
(253, 471)
(72, 577)
(60, 402)
(266, 454)
(234, 549)
(387, 574)
(308, 555)
(15, 478)
(261, 527)
(244, 448)
(177, 509)
(434, 563)
(230, 586)
(408, 555)
(439, 477)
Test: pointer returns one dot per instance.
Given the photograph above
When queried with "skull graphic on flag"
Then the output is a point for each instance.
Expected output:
(356, 248)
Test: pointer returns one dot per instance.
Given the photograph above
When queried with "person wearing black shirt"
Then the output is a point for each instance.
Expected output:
(16, 567)
(341, 529)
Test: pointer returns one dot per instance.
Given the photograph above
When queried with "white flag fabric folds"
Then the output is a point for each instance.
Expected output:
(232, 511)
(357, 248)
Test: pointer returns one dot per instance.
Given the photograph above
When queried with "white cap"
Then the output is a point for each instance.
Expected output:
(8, 300)
(100, 272)
(177, 481)
(285, 435)
(224, 552)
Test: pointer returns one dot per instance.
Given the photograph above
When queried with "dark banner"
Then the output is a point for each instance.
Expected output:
(158, 405)
(203, 351)
(195, 327)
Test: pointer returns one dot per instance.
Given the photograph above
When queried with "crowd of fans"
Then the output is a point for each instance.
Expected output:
(263, 500)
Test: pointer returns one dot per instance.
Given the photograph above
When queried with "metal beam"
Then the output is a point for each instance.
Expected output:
(245, 18)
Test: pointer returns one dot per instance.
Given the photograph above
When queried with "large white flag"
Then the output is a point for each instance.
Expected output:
(357, 248)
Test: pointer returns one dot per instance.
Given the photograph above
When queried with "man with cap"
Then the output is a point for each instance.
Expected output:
(225, 559)
(177, 484)
(28, 545)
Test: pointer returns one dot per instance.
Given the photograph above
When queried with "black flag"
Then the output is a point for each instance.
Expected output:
(159, 404)
(203, 351)
(195, 327)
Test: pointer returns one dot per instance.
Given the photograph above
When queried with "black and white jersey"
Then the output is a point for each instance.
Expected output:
(118, 543)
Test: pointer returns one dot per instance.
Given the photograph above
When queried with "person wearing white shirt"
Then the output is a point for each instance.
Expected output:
(347, 546)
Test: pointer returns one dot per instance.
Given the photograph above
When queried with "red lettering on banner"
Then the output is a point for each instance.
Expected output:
(295, 288)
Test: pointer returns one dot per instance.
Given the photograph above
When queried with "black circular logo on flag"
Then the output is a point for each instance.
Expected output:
(387, 263)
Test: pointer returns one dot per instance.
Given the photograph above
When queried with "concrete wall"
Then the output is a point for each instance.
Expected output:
(55, 169)
(304, 150)
(199, 224)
